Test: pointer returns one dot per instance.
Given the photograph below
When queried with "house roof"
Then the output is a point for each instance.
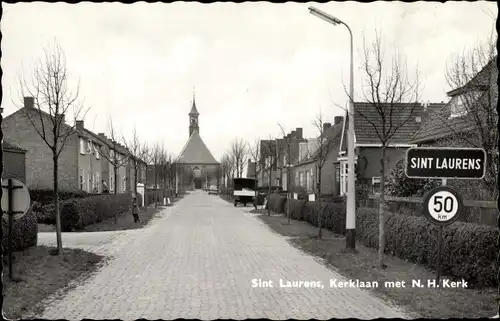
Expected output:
(196, 152)
(439, 124)
(12, 147)
(366, 116)
(332, 135)
(480, 81)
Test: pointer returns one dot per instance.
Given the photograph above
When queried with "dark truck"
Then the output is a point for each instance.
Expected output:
(244, 190)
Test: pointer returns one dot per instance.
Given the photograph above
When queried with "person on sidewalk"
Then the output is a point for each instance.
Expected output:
(135, 211)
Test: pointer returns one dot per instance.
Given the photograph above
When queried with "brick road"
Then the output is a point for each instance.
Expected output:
(197, 261)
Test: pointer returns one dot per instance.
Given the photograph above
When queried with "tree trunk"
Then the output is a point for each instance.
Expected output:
(269, 193)
(256, 193)
(381, 208)
(116, 185)
(56, 205)
(320, 219)
(288, 192)
(156, 185)
(146, 188)
(135, 181)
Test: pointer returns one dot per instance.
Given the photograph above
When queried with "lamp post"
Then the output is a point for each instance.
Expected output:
(351, 190)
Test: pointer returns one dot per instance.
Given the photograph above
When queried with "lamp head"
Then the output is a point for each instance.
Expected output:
(325, 16)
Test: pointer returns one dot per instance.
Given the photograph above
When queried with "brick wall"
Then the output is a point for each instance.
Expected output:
(39, 164)
(14, 165)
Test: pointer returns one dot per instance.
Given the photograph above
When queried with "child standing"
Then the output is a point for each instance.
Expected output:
(135, 210)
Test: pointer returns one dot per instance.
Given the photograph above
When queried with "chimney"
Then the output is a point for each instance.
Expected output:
(293, 133)
(299, 132)
(326, 126)
(29, 102)
(79, 124)
(338, 120)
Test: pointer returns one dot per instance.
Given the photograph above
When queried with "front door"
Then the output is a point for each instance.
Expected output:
(197, 183)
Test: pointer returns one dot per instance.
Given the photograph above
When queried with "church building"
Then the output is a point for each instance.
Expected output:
(199, 169)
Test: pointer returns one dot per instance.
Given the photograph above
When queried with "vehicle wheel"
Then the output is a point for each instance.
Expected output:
(234, 204)
(245, 204)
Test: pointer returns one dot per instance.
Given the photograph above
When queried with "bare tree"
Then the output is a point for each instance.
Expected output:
(156, 158)
(115, 153)
(254, 155)
(287, 149)
(52, 100)
(136, 150)
(325, 145)
(473, 75)
(268, 164)
(392, 98)
(146, 158)
(239, 152)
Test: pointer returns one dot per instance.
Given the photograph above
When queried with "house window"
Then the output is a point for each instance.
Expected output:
(98, 183)
(307, 180)
(82, 179)
(124, 184)
(337, 173)
(97, 151)
(376, 185)
(343, 178)
(82, 146)
(301, 179)
(111, 184)
(297, 181)
(89, 146)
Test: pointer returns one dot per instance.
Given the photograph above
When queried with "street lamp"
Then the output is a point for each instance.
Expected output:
(351, 190)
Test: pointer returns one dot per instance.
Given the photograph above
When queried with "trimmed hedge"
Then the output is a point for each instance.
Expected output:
(45, 196)
(296, 209)
(469, 250)
(24, 232)
(277, 203)
(78, 213)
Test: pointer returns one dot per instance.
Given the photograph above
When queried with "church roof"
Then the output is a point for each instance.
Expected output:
(196, 152)
(194, 111)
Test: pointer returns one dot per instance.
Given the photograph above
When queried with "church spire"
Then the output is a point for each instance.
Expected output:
(194, 111)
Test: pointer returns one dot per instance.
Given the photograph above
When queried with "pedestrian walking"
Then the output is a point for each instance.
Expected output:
(135, 210)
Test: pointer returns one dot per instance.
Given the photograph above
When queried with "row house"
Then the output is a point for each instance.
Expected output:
(305, 171)
(81, 166)
(408, 117)
(274, 158)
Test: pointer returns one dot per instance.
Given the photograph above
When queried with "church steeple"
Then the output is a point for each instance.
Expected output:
(193, 117)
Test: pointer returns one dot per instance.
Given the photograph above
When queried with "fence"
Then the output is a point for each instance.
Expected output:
(153, 196)
(478, 212)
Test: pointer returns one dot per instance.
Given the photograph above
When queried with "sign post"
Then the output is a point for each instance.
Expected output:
(443, 205)
(15, 204)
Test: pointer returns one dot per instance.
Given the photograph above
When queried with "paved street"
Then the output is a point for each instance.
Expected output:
(197, 261)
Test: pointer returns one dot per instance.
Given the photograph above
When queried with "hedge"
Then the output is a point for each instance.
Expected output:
(45, 196)
(78, 213)
(469, 250)
(277, 203)
(24, 232)
(296, 209)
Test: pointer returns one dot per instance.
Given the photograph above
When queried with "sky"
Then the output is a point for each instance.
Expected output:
(251, 65)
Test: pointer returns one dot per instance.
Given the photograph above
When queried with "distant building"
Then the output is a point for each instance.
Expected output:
(197, 166)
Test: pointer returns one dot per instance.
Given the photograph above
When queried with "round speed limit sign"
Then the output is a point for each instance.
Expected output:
(443, 205)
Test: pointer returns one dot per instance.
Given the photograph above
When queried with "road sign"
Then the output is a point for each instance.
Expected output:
(445, 162)
(442, 205)
(18, 202)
